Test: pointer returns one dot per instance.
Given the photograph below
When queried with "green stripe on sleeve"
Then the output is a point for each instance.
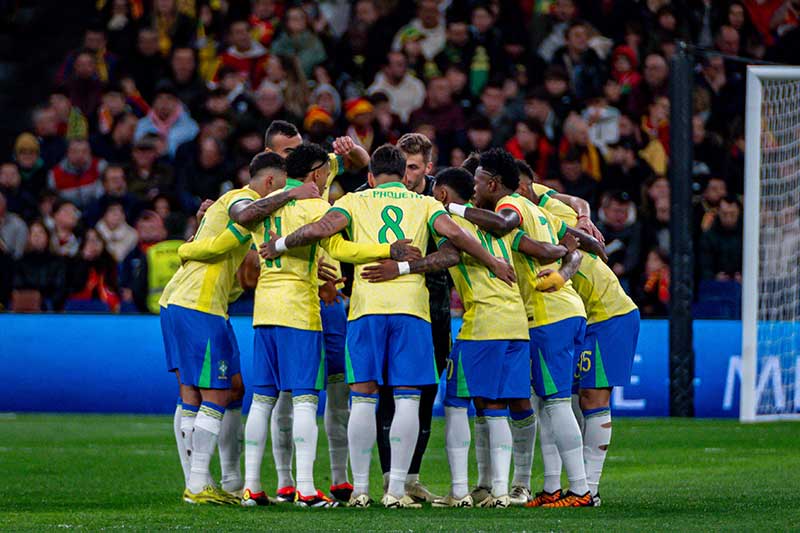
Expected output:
(517, 238)
(433, 218)
(236, 202)
(543, 200)
(562, 230)
(234, 228)
(342, 211)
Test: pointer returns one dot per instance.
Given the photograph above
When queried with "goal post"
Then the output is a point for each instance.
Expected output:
(770, 385)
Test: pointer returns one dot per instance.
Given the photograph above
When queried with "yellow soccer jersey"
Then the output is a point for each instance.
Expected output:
(492, 309)
(385, 214)
(207, 286)
(542, 308)
(337, 167)
(600, 290)
(554, 206)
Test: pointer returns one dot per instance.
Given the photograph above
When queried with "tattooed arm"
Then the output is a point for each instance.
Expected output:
(498, 224)
(331, 223)
(249, 213)
(447, 256)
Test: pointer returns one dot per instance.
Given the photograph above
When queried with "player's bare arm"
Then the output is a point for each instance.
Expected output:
(498, 224)
(387, 269)
(544, 251)
(248, 213)
(462, 240)
(355, 157)
(589, 244)
(331, 223)
(551, 280)
(584, 211)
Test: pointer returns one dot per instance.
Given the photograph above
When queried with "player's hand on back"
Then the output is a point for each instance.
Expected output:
(203, 208)
(586, 224)
(267, 249)
(403, 251)
(504, 271)
(571, 242)
(384, 270)
(328, 293)
(306, 191)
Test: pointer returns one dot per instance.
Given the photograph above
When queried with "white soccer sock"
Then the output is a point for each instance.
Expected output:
(482, 450)
(577, 411)
(551, 460)
(457, 440)
(281, 429)
(596, 438)
(230, 448)
(255, 439)
(569, 441)
(500, 448)
(188, 417)
(361, 437)
(336, 416)
(186, 464)
(403, 438)
(204, 441)
(305, 432)
(523, 433)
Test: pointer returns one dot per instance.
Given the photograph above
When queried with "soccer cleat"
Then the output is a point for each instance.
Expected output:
(285, 495)
(210, 495)
(481, 496)
(318, 500)
(406, 502)
(596, 500)
(571, 499)
(419, 492)
(342, 491)
(450, 501)
(253, 499)
(501, 502)
(520, 495)
(543, 498)
(361, 501)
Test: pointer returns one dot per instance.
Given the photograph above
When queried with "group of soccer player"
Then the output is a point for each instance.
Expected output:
(547, 330)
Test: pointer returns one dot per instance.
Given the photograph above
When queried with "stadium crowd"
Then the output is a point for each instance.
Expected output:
(164, 104)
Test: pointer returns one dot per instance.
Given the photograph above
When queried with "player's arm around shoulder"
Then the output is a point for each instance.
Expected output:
(212, 248)
(497, 223)
(249, 211)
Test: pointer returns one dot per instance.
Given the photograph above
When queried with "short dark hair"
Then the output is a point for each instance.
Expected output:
(459, 179)
(472, 162)
(416, 143)
(388, 159)
(266, 160)
(279, 127)
(501, 163)
(524, 168)
(303, 160)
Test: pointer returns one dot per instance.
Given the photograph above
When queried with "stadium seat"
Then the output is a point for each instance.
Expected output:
(86, 306)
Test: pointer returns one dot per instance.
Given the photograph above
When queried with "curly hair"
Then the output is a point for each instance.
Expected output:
(501, 163)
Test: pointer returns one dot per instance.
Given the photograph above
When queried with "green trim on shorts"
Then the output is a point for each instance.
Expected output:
(600, 378)
(205, 374)
(348, 365)
(320, 384)
(547, 379)
(462, 388)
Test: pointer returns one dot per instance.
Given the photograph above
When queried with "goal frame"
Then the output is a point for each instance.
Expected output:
(750, 252)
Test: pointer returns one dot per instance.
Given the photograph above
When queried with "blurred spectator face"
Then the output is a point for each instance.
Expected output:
(396, 67)
(413, 48)
(714, 66)
(439, 92)
(457, 157)
(114, 102)
(85, 67)
(622, 63)
(165, 105)
(162, 207)
(61, 105)
(457, 79)
(240, 36)
(114, 181)
(66, 217)
(537, 109)
(325, 101)
(715, 191)
(458, 33)
(659, 190)
(626, 126)
(79, 155)
(210, 154)
(125, 129)
(578, 39)
(666, 20)
(150, 228)
(570, 170)
(493, 100)
(250, 142)
(480, 139)
(728, 214)
(366, 12)
(654, 263)
(114, 216)
(698, 129)
(428, 13)
(243, 176)
(165, 6)
(728, 40)
(482, 20)
(556, 86)
(9, 176)
(612, 90)
(27, 158)
(269, 101)
(576, 130)
(525, 137)
(147, 42)
(218, 104)
(736, 15)
(622, 155)
(93, 246)
(275, 71)
(94, 40)
(219, 128)
(662, 210)
(564, 10)
(655, 70)
(263, 9)
(616, 213)
(659, 110)
(183, 64)
(144, 157)
(45, 122)
(296, 21)
(38, 238)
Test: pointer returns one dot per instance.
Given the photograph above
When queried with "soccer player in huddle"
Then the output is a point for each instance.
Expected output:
(389, 325)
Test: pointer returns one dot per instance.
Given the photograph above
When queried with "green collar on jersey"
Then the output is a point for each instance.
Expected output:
(292, 183)
(390, 184)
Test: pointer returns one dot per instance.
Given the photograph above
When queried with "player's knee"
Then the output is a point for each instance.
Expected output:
(520, 404)
(221, 397)
(237, 388)
(595, 398)
(191, 395)
(495, 404)
(366, 387)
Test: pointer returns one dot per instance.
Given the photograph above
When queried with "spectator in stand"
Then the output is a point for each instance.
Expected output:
(626, 171)
(269, 106)
(204, 176)
(537, 107)
(174, 221)
(623, 69)
(263, 21)
(549, 29)
(363, 129)
(556, 85)
(168, 119)
(189, 87)
(299, 40)
(655, 124)
(721, 245)
(490, 58)
(115, 191)
(120, 238)
(654, 83)
(706, 207)
(430, 24)
(244, 54)
(147, 65)
(40, 275)
(116, 146)
(479, 134)
(13, 231)
(622, 234)
(84, 88)
(362, 49)
(656, 227)
(72, 123)
(442, 113)
(18, 200)
(65, 220)
(576, 137)
(653, 294)
(603, 122)
(174, 27)
(49, 147)
(77, 177)
(406, 93)
(709, 155)
(285, 71)
(586, 71)
(530, 144)
(146, 175)
(94, 42)
(574, 181)
(493, 106)
(92, 274)
(459, 48)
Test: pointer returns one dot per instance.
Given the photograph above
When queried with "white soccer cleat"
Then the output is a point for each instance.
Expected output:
(450, 501)
(361, 501)
(501, 502)
(420, 492)
(481, 496)
(520, 495)
(406, 502)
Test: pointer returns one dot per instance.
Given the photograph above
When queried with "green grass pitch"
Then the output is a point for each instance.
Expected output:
(121, 472)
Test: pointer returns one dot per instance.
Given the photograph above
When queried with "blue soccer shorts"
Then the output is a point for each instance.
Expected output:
(552, 353)
(606, 359)
(288, 358)
(206, 348)
(334, 332)
(170, 350)
(493, 370)
(393, 350)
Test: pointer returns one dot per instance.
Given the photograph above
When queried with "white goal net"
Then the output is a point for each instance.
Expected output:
(771, 271)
